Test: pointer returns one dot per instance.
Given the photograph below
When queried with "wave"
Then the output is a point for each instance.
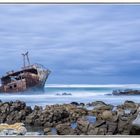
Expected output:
(92, 86)
(46, 96)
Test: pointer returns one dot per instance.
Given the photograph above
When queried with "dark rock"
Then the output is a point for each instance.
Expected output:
(74, 103)
(124, 125)
(64, 129)
(92, 130)
(30, 119)
(129, 104)
(38, 108)
(47, 130)
(5, 107)
(98, 103)
(126, 92)
(103, 107)
(48, 124)
(66, 93)
(99, 123)
(28, 109)
(82, 125)
(102, 131)
(112, 128)
(82, 104)
(135, 128)
(18, 105)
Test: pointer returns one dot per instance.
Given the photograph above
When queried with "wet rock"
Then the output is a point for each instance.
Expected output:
(48, 124)
(82, 125)
(135, 129)
(103, 107)
(14, 129)
(38, 108)
(12, 112)
(101, 120)
(50, 116)
(92, 130)
(99, 123)
(77, 113)
(112, 128)
(95, 129)
(81, 104)
(5, 107)
(129, 104)
(120, 111)
(99, 109)
(126, 92)
(64, 129)
(47, 130)
(28, 110)
(138, 109)
(29, 119)
(122, 125)
(18, 105)
(102, 130)
(74, 103)
(66, 93)
(97, 103)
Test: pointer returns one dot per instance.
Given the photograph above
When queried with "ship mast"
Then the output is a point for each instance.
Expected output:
(25, 57)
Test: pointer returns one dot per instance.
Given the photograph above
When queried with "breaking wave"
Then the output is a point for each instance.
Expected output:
(53, 94)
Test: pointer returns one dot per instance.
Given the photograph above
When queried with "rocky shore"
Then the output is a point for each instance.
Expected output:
(126, 92)
(95, 118)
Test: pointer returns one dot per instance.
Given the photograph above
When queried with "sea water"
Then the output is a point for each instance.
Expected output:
(53, 94)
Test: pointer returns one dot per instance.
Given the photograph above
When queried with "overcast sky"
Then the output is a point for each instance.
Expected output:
(80, 44)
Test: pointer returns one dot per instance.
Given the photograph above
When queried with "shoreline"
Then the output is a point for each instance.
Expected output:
(95, 118)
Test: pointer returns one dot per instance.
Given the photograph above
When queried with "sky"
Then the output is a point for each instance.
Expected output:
(80, 44)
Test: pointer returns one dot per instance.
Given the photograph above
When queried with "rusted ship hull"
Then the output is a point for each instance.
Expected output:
(33, 76)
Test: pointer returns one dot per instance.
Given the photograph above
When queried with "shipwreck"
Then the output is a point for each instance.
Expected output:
(29, 77)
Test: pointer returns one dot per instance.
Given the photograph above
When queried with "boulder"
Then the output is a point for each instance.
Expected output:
(47, 130)
(5, 107)
(18, 105)
(74, 103)
(107, 115)
(82, 104)
(112, 128)
(64, 129)
(129, 104)
(38, 108)
(99, 123)
(102, 131)
(120, 112)
(98, 103)
(92, 130)
(135, 128)
(103, 107)
(82, 125)
(14, 129)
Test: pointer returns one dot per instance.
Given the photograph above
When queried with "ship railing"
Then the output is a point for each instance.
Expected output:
(34, 65)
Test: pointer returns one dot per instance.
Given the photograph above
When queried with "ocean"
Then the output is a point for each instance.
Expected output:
(53, 94)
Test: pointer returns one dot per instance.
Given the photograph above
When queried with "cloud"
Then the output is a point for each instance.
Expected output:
(91, 42)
